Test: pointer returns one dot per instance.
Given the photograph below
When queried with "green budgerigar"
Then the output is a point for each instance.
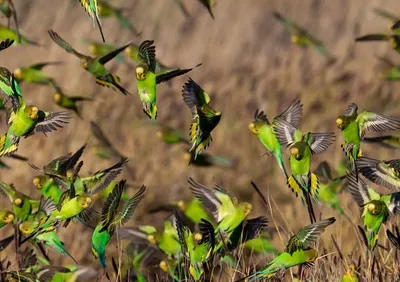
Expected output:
(111, 219)
(106, 10)
(392, 39)
(92, 8)
(8, 33)
(147, 78)
(354, 126)
(99, 49)
(95, 66)
(197, 247)
(47, 187)
(7, 8)
(205, 118)
(302, 147)
(25, 120)
(300, 36)
(34, 74)
(376, 208)
(384, 173)
(298, 251)
(263, 129)
(350, 275)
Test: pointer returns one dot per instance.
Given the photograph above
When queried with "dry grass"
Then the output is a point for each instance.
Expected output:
(248, 63)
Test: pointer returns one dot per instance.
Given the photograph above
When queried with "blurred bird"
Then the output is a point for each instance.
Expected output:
(392, 39)
(301, 37)
(33, 73)
(197, 247)
(107, 10)
(24, 120)
(132, 53)
(383, 173)
(111, 219)
(208, 4)
(387, 15)
(6, 217)
(350, 276)
(170, 135)
(47, 187)
(182, 7)
(207, 160)
(98, 49)
(302, 146)
(92, 8)
(147, 78)
(68, 102)
(227, 211)
(298, 251)
(206, 118)
(387, 141)
(6, 81)
(354, 126)
(94, 66)
(3, 165)
(388, 70)
(376, 208)
(263, 129)
(8, 33)
(329, 187)
(7, 8)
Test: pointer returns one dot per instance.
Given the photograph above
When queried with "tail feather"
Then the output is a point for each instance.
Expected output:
(310, 209)
(8, 149)
(113, 83)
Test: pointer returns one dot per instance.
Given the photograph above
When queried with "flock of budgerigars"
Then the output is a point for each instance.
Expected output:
(214, 227)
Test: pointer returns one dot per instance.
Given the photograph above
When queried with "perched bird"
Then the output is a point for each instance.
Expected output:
(111, 218)
(384, 173)
(395, 239)
(387, 141)
(354, 126)
(264, 130)
(47, 187)
(300, 36)
(227, 211)
(350, 276)
(298, 251)
(208, 4)
(33, 73)
(302, 147)
(392, 39)
(6, 217)
(197, 247)
(68, 102)
(99, 49)
(24, 121)
(94, 66)
(376, 208)
(205, 117)
(8, 33)
(106, 10)
(92, 8)
(329, 187)
(147, 78)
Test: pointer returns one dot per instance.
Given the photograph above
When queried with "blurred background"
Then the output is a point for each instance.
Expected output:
(248, 63)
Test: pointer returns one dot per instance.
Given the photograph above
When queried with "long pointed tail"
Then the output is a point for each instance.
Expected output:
(310, 207)
(282, 165)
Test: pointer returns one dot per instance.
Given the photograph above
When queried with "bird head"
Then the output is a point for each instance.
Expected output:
(312, 255)
(341, 122)
(197, 237)
(7, 217)
(18, 199)
(255, 127)
(164, 266)
(246, 207)
(160, 134)
(152, 239)
(69, 173)
(26, 227)
(84, 201)
(141, 72)
(295, 38)
(100, 8)
(181, 205)
(196, 272)
(84, 63)
(57, 97)
(394, 42)
(93, 49)
(374, 207)
(296, 152)
(129, 51)
(32, 112)
(18, 73)
(187, 156)
(38, 181)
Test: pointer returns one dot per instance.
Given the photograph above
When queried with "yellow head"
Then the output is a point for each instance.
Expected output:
(37, 181)
(152, 239)
(196, 272)
(141, 72)
(246, 207)
(164, 266)
(374, 207)
(340, 122)
(18, 73)
(7, 217)
(92, 49)
(393, 42)
(295, 38)
(181, 204)
(128, 51)
(69, 173)
(312, 255)
(18, 199)
(57, 97)
(197, 237)
(26, 227)
(254, 128)
(32, 112)
(295, 152)
(84, 201)
(84, 63)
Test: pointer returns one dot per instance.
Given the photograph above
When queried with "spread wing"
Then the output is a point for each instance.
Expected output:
(48, 122)
(293, 113)
(147, 55)
(358, 189)
(63, 44)
(368, 122)
(284, 131)
(320, 142)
